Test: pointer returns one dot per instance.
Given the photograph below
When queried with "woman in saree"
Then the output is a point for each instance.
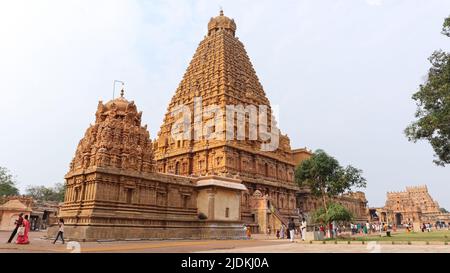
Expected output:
(22, 239)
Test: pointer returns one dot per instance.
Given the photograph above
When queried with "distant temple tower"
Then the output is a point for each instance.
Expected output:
(415, 205)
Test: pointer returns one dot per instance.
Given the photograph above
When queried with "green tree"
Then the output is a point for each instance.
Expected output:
(443, 210)
(44, 193)
(334, 212)
(60, 189)
(433, 106)
(7, 183)
(326, 178)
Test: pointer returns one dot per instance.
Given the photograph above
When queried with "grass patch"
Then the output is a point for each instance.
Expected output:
(434, 236)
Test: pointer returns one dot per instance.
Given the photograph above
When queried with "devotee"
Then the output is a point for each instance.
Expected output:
(18, 223)
(291, 227)
(22, 238)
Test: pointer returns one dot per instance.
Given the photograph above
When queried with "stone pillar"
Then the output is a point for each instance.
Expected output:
(211, 200)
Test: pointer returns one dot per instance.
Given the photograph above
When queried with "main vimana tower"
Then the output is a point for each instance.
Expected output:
(221, 74)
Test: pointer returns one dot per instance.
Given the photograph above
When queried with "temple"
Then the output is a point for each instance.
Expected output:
(219, 75)
(219, 160)
(412, 206)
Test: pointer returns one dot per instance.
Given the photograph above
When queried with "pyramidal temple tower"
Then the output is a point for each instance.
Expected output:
(221, 77)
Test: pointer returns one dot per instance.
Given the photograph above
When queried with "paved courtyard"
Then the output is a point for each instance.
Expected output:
(260, 244)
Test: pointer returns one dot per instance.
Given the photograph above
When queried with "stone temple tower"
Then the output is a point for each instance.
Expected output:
(221, 75)
(116, 140)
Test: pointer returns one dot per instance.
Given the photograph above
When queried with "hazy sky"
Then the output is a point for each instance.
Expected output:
(341, 72)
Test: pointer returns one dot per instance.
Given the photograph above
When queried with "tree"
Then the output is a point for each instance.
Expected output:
(7, 183)
(326, 178)
(443, 210)
(433, 106)
(334, 212)
(60, 189)
(43, 193)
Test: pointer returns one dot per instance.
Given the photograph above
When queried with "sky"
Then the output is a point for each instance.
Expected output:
(341, 73)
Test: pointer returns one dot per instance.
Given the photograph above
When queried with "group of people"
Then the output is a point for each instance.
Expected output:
(367, 228)
(22, 229)
(332, 230)
(288, 231)
(438, 225)
(291, 230)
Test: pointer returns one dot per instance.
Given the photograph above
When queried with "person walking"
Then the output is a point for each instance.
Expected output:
(60, 231)
(291, 227)
(18, 223)
(282, 230)
(303, 229)
(22, 238)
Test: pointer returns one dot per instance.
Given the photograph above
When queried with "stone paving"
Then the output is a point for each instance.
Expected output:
(260, 244)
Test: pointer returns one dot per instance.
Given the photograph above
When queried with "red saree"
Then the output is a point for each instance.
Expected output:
(23, 239)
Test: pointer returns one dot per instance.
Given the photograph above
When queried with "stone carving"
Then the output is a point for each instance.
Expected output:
(116, 140)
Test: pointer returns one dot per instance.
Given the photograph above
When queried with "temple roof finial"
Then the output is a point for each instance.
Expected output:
(221, 23)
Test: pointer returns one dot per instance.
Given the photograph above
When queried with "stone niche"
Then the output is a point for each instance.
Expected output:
(219, 198)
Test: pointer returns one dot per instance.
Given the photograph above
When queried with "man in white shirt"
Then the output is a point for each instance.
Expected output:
(303, 229)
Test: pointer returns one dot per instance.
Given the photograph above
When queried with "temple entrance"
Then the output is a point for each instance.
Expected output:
(398, 219)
